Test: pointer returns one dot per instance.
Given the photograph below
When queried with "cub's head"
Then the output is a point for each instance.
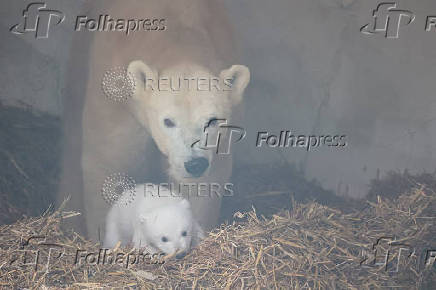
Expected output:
(178, 105)
(170, 228)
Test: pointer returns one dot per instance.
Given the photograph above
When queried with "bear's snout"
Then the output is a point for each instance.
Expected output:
(197, 166)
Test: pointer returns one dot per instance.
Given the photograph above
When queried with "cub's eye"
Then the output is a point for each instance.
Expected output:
(169, 123)
(184, 234)
(164, 239)
(212, 122)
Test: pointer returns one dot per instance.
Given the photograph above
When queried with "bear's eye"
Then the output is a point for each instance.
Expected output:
(184, 234)
(169, 123)
(164, 239)
(212, 122)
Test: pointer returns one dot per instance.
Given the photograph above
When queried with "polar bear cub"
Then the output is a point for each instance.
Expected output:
(152, 218)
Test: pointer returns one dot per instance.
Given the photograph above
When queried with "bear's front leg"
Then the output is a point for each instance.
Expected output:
(95, 206)
(197, 234)
(137, 238)
(112, 143)
(112, 234)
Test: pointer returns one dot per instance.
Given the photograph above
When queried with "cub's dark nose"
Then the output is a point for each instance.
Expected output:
(197, 166)
(181, 255)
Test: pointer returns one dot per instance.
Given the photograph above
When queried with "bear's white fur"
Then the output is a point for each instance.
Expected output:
(103, 137)
(153, 220)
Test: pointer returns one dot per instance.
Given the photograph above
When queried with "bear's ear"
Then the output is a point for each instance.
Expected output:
(239, 77)
(144, 77)
(185, 204)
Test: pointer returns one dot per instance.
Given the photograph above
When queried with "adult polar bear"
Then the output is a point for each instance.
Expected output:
(118, 137)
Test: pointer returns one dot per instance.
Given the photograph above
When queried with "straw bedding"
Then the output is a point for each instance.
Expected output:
(309, 247)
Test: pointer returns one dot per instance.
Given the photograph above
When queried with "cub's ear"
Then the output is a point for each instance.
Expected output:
(142, 218)
(185, 204)
(147, 217)
(239, 77)
(145, 77)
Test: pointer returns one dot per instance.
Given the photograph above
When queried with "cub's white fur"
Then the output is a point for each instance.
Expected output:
(152, 220)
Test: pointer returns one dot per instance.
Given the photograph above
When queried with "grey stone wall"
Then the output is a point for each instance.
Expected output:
(33, 70)
(313, 72)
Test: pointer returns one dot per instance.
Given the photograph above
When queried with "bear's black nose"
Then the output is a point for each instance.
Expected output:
(197, 166)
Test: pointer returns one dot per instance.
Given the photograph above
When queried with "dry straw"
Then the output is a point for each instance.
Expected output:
(309, 247)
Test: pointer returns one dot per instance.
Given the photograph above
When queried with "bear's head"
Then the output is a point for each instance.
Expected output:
(182, 103)
(170, 228)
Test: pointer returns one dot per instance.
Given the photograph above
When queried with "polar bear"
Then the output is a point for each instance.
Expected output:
(153, 220)
(149, 136)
